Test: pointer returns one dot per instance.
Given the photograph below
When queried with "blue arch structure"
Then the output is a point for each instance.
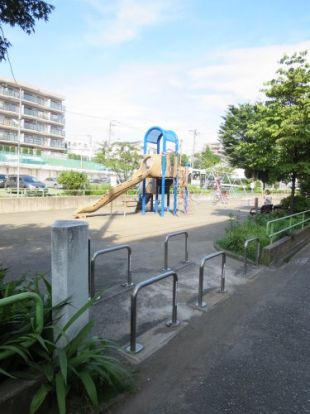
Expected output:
(161, 137)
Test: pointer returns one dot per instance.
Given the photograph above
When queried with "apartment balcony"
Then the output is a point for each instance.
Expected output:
(35, 127)
(8, 123)
(7, 108)
(57, 132)
(9, 92)
(8, 136)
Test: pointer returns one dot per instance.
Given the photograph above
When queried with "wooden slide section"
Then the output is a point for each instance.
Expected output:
(116, 191)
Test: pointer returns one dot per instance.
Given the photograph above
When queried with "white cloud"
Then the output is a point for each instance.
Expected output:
(179, 96)
(126, 19)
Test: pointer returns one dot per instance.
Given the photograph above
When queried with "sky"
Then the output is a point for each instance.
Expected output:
(177, 64)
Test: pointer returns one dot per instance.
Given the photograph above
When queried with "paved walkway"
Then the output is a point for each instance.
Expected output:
(248, 355)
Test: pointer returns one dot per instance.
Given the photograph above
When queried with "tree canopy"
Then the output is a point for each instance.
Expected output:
(22, 13)
(206, 159)
(121, 157)
(271, 140)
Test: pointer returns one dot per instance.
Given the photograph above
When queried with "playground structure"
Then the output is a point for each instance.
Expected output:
(157, 173)
(208, 179)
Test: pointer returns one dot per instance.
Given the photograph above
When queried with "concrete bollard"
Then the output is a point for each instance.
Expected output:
(70, 270)
(256, 204)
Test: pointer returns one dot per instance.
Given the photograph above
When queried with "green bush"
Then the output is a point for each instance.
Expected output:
(301, 203)
(237, 233)
(73, 180)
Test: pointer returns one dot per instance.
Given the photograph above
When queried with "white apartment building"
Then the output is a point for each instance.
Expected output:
(31, 118)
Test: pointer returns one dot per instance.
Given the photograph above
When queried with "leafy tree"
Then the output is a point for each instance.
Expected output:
(288, 118)
(22, 13)
(247, 144)
(206, 159)
(73, 180)
(121, 157)
(185, 160)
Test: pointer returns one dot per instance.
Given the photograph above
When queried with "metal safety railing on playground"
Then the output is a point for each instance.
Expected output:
(246, 244)
(134, 347)
(304, 218)
(92, 283)
(200, 302)
(38, 318)
(168, 237)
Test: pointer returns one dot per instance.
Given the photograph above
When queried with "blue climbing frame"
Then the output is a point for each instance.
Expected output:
(160, 137)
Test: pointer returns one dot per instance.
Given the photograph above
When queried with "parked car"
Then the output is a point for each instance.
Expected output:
(51, 182)
(26, 182)
(103, 180)
(2, 180)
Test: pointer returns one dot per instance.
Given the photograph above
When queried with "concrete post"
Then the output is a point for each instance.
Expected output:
(70, 270)
(256, 204)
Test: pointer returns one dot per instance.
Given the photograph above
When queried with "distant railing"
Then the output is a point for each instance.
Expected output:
(293, 220)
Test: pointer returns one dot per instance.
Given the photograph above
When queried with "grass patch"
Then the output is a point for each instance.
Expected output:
(238, 232)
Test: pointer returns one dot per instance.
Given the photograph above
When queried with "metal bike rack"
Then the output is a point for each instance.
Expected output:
(168, 237)
(38, 318)
(134, 347)
(200, 303)
(92, 286)
(247, 242)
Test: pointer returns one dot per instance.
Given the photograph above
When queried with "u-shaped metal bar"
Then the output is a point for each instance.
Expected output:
(168, 237)
(134, 347)
(92, 285)
(200, 303)
(246, 243)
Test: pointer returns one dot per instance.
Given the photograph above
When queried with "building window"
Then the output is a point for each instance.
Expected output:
(36, 140)
(56, 104)
(8, 136)
(7, 106)
(57, 143)
(34, 126)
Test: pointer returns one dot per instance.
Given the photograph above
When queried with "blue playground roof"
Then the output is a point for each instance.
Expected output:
(154, 134)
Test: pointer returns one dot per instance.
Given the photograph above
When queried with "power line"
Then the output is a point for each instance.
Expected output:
(120, 123)
(8, 57)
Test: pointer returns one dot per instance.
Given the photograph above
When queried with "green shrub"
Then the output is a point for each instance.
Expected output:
(301, 203)
(73, 180)
(237, 233)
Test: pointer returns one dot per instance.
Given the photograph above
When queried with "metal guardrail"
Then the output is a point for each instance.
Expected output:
(38, 321)
(270, 224)
(92, 285)
(200, 302)
(134, 347)
(246, 243)
(168, 237)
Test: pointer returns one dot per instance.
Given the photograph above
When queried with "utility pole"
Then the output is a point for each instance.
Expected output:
(195, 133)
(111, 124)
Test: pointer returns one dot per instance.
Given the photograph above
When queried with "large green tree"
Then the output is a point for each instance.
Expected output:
(121, 157)
(271, 140)
(247, 144)
(22, 13)
(287, 117)
(206, 159)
